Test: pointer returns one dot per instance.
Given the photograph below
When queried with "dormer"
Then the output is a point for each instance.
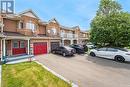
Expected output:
(53, 28)
(29, 23)
(53, 21)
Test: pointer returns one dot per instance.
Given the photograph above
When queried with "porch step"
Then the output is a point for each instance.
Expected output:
(19, 61)
(9, 59)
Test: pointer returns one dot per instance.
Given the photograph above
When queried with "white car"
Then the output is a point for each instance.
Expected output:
(118, 54)
(90, 46)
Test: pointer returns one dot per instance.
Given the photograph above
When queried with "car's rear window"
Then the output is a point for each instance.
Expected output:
(102, 49)
(122, 49)
(112, 49)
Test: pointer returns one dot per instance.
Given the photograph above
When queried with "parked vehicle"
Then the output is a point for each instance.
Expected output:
(64, 50)
(90, 45)
(79, 48)
(118, 54)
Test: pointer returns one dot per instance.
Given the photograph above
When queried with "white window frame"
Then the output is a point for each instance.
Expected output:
(19, 25)
(30, 25)
(54, 31)
(17, 44)
(21, 44)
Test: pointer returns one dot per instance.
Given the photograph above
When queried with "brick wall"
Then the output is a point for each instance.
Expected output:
(53, 25)
(10, 25)
(41, 29)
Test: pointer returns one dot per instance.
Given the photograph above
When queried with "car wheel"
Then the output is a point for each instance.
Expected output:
(64, 54)
(119, 59)
(92, 54)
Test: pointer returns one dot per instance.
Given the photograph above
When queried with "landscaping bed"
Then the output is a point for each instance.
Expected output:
(29, 74)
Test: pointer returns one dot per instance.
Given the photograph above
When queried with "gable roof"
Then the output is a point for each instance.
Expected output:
(69, 28)
(53, 20)
(76, 27)
(30, 13)
(65, 27)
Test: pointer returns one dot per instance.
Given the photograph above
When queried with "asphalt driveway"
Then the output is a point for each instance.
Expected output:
(87, 71)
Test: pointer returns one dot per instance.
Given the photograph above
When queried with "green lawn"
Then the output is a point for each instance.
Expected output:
(29, 74)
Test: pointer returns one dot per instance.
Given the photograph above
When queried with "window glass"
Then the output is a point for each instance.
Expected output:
(53, 30)
(102, 49)
(15, 44)
(28, 25)
(22, 44)
(112, 50)
(122, 49)
(31, 26)
(20, 26)
(61, 47)
(84, 35)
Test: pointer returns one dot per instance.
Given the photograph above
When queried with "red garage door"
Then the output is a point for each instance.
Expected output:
(40, 48)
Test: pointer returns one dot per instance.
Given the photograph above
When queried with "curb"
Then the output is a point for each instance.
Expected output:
(56, 74)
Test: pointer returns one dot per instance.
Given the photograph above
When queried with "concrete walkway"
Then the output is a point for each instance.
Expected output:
(87, 71)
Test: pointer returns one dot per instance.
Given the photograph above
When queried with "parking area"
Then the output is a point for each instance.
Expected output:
(88, 71)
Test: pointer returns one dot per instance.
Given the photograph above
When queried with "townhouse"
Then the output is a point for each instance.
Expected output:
(73, 35)
(24, 35)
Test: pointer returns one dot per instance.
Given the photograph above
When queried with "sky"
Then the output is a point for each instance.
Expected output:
(67, 12)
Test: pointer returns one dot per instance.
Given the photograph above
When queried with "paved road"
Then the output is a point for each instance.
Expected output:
(87, 71)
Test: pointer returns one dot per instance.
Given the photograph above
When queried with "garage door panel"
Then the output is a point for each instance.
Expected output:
(54, 45)
(40, 48)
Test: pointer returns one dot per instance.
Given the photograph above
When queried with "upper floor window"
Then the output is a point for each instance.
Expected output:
(31, 26)
(84, 35)
(62, 31)
(53, 31)
(21, 25)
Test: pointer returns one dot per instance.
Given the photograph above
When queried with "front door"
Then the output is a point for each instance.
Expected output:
(19, 47)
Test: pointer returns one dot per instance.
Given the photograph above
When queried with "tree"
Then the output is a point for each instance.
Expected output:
(108, 6)
(111, 26)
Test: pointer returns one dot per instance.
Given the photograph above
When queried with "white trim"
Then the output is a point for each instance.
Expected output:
(4, 48)
(16, 37)
(11, 47)
(1, 49)
(56, 74)
(29, 10)
(63, 42)
(71, 41)
(2, 25)
(28, 46)
(15, 41)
